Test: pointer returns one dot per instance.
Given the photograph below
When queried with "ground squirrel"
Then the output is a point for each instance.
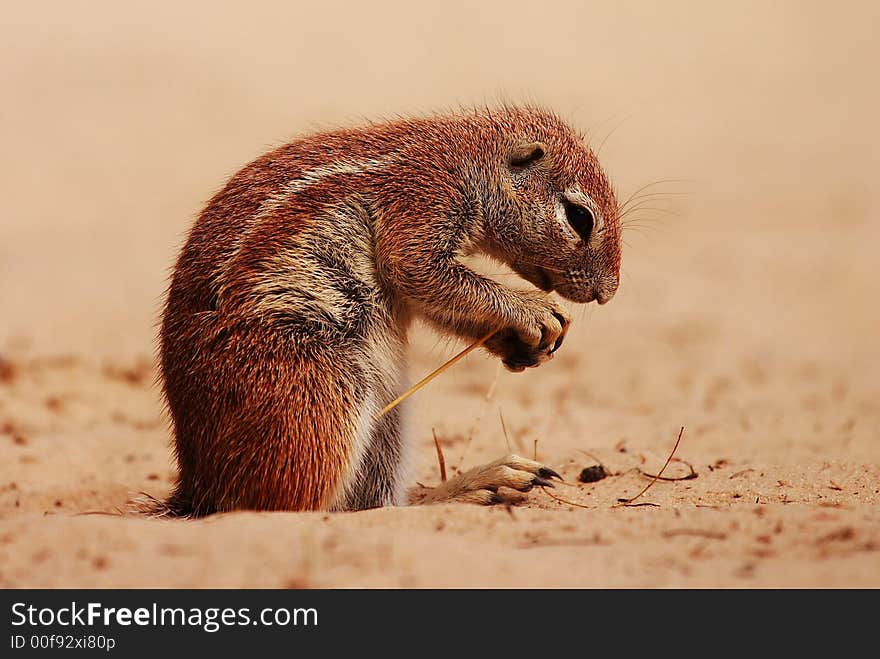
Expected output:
(285, 326)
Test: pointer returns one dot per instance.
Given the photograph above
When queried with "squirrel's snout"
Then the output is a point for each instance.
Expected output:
(584, 291)
(606, 289)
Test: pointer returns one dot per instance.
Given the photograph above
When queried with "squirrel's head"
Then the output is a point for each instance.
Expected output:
(556, 224)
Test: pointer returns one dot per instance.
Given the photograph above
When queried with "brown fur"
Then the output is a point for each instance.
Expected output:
(285, 325)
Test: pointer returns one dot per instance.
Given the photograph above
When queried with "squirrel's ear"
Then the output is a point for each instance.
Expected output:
(526, 153)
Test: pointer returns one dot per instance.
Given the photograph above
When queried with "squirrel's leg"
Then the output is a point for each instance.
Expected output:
(480, 484)
(420, 257)
(376, 479)
(529, 325)
(275, 430)
(379, 470)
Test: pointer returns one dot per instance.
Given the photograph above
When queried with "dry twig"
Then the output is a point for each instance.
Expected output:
(561, 500)
(629, 502)
(504, 428)
(688, 476)
(440, 459)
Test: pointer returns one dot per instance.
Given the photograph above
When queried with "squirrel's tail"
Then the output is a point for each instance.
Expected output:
(149, 506)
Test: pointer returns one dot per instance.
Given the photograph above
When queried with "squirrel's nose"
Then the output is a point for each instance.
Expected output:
(606, 290)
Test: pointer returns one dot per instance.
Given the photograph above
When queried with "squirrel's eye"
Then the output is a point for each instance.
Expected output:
(581, 220)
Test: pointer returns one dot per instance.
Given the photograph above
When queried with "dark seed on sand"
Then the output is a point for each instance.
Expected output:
(592, 474)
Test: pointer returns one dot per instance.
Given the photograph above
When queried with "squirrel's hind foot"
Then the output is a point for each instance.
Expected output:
(481, 484)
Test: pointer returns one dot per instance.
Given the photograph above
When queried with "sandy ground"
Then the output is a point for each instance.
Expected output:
(748, 312)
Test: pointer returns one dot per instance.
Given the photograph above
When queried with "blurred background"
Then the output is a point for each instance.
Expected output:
(120, 120)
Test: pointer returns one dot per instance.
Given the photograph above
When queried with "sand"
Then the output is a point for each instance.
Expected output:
(748, 310)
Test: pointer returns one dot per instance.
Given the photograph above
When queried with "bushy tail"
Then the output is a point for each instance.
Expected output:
(149, 506)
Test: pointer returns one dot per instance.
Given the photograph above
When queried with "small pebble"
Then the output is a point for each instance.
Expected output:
(592, 474)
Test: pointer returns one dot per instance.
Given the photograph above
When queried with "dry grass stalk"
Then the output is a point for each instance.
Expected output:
(504, 429)
(433, 374)
(440, 459)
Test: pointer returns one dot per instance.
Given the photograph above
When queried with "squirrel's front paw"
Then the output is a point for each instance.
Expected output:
(538, 332)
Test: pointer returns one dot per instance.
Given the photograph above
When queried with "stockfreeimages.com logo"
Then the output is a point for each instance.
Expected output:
(210, 619)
